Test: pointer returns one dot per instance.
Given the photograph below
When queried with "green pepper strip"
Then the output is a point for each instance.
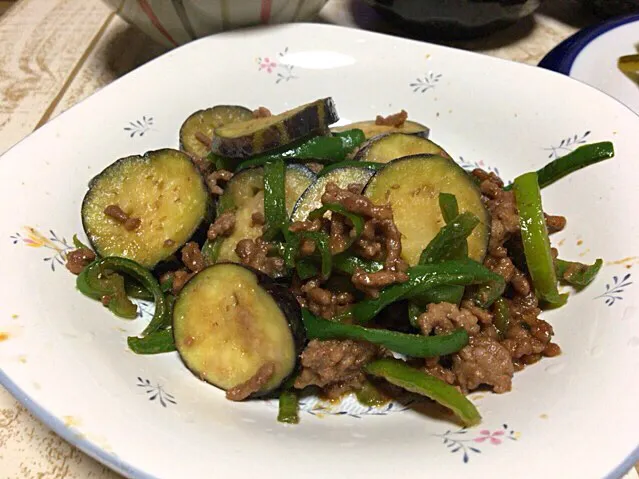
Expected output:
(274, 199)
(155, 343)
(100, 281)
(137, 291)
(447, 243)
(501, 314)
(414, 345)
(349, 263)
(320, 149)
(211, 250)
(322, 243)
(577, 274)
(349, 164)
(583, 156)
(400, 374)
(88, 282)
(288, 407)
(79, 244)
(448, 205)
(306, 269)
(534, 237)
(356, 220)
(423, 278)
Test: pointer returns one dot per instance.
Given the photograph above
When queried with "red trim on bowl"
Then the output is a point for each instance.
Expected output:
(146, 8)
(265, 13)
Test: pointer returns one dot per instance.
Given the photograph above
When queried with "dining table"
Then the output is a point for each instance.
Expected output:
(58, 52)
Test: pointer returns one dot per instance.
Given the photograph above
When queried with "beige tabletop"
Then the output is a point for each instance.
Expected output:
(57, 52)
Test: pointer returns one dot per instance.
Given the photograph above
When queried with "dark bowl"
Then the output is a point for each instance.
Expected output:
(454, 19)
(611, 8)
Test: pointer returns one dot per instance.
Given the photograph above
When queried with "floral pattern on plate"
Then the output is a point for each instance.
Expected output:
(471, 441)
(275, 64)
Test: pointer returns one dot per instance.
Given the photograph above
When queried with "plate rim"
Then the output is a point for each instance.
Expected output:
(561, 58)
(573, 44)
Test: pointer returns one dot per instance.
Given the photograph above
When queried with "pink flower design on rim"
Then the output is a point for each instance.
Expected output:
(277, 64)
(267, 64)
(465, 441)
(493, 437)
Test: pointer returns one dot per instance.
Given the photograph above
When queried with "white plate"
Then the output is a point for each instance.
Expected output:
(591, 56)
(66, 358)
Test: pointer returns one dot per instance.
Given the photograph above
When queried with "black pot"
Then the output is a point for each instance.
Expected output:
(454, 19)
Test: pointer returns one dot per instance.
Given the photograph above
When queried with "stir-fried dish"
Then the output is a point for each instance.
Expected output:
(284, 257)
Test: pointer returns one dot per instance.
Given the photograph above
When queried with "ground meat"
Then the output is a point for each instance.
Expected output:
(202, 164)
(505, 267)
(380, 238)
(397, 120)
(503, 209)
(222, 226)
(355, 202)
(323, 302)
(255, 253)
(555, 223)
(335, 365)
(339, 234)
(253, 384)
(434, 368)
(129, 223)
(213, 178)
(314, 167)
(192, 257)
(202, 138)
(262, 112)
(308, 225)
(78, 259)
(180, 278)
(257, 219)
(520, 342)
(372, 283)
(483, 361)
(444, 318)
(307, 247)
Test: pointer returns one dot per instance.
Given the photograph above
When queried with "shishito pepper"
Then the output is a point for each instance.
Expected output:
(400, 374)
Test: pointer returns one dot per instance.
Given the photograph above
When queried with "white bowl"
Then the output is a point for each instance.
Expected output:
(65, 356)
(176, 22)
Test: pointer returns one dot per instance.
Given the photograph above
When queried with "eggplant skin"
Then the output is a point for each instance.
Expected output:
(252, 137)
(205, 122)
(284, 301)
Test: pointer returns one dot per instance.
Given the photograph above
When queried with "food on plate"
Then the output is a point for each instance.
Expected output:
(284, 257)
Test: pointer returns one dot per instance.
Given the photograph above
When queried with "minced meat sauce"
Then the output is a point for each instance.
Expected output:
(490, 358)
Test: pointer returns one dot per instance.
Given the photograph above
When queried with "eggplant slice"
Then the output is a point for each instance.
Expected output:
(162, 189)
(372, 129)
(205, 122)
(342, 177)
(230, 321)
(412, 186)
(255, 136)
(244, 194)
(385, 148)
